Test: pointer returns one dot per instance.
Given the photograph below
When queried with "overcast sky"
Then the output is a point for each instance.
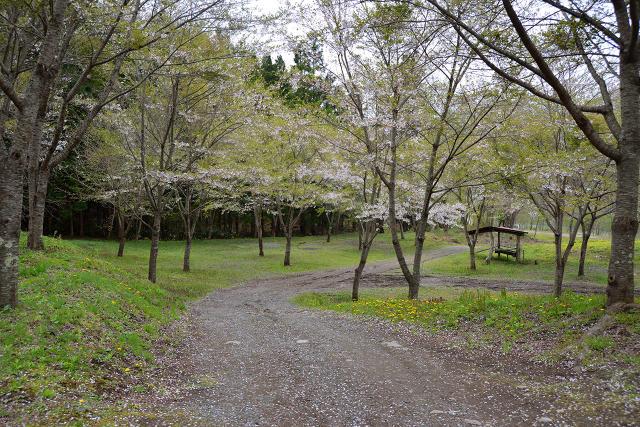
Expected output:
(268, 6)
(272, 6)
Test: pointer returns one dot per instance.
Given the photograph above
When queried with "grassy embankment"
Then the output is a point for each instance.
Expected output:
(90, 327)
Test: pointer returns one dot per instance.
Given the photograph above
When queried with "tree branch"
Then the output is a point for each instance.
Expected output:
(581, 15)
(635, 27)
(581, 120)
(609, 116)
(7, 88)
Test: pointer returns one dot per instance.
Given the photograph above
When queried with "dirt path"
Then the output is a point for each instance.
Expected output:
(254, 359)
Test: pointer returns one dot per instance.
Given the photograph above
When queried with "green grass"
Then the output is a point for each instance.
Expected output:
(539, 263)
(220, 263)
(510, 315)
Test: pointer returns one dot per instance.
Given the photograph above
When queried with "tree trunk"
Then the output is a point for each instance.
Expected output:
(491, 246)
(558, 277)
(401, 230)
(472, 256)
(287, 252)
(139, 229)
(412, 279)
(510, 219)
(471, 241)
(257, 212)
(14, 156)
(363, 259)
(38, 181)
(186, 266)
(121, 234)
(274, 224)
(421, 229)
(586, 234)
(620, 286)
(10, 215)
(81, 231)
(155, 241)
(254, 230)
(186, 218)
(559, 274)
(329, 225)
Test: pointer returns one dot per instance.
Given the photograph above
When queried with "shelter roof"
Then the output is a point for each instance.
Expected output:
(506, 230)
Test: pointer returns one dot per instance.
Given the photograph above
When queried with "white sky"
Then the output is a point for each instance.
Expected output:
(268, 6)
(272, 6)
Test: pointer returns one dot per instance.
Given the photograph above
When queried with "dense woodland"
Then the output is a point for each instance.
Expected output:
(173, 120)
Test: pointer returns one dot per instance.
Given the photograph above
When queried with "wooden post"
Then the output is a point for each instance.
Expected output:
(488, 260)
(499, 245)
(517, 248)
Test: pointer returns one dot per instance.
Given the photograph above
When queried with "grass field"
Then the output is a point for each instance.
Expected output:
(219, 263)
(83, 330)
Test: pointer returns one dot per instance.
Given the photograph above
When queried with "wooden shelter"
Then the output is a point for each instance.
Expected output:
(499, 249)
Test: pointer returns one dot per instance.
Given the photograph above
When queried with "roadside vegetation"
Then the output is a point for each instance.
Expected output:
(90, 327)
(503, 318)
(573, 330)
(493, 319)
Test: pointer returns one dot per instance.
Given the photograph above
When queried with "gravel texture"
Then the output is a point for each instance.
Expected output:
(258, 360)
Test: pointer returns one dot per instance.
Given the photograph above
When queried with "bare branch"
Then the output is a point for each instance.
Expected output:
(581, 15)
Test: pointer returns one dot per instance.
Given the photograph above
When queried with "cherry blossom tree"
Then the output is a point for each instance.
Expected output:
(171, 125)
(297, 174)
(567, 178)
(475, 199)
(406, 89)
(113, 178)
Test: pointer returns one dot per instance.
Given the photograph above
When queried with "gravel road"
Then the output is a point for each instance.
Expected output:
(257, 360)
